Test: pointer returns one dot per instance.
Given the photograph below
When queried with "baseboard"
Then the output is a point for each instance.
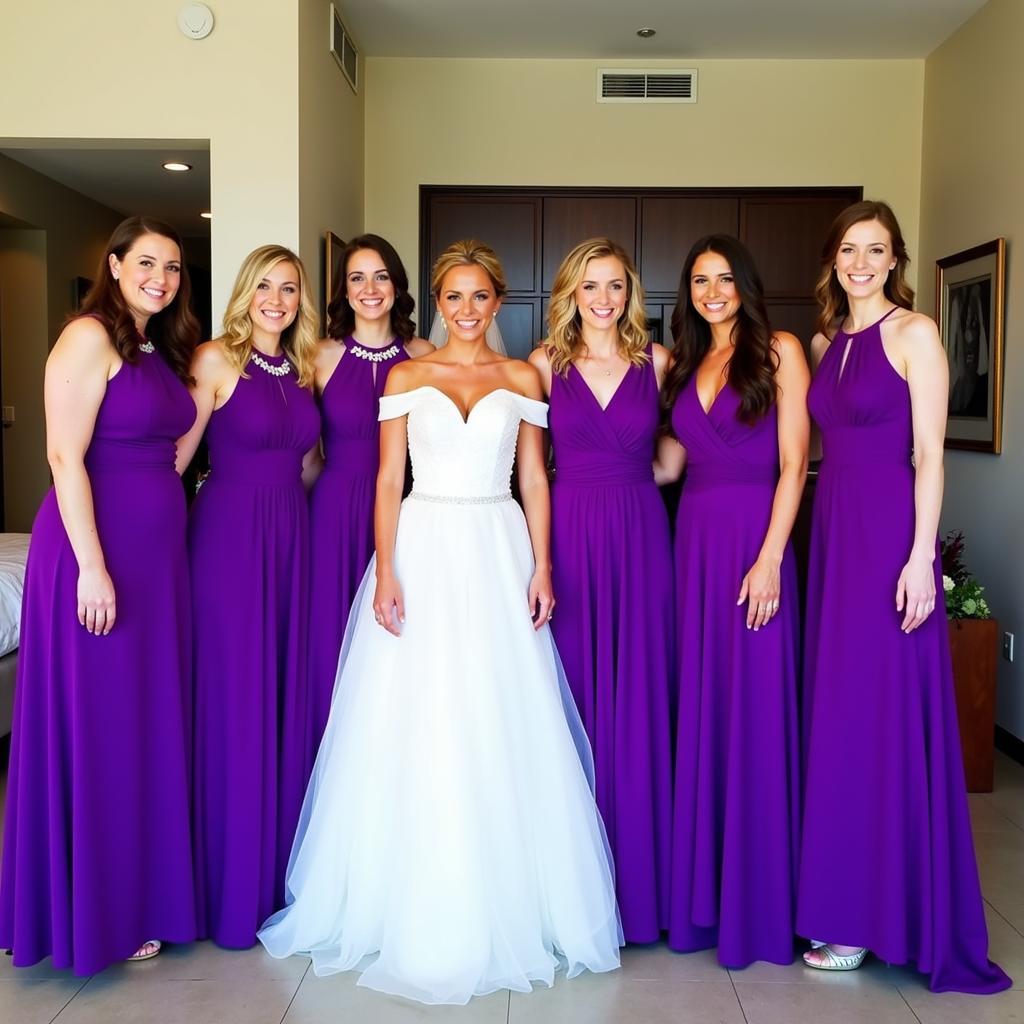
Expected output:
(1010, 744)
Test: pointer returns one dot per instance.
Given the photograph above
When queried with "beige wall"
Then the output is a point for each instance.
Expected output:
(330, 143)
(36, 271)
(113, 69)
(516, 122)
(971, 192)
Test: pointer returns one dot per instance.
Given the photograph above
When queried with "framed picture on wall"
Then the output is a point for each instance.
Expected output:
(969, 288)
(333, 271)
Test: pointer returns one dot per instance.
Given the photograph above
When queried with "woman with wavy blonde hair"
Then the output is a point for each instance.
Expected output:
(249, 559)
(612, 560)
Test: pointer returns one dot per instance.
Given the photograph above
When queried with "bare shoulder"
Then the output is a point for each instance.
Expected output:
(85, 338)
(210, 357)
(539, 358)
(417, 347)
(403, 376)
(328, 352)
(914, 329)
(524, 378)
(788, 347)
(819, 346)
(661, 356)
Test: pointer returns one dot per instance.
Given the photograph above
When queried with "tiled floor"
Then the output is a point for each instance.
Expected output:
(201, 984)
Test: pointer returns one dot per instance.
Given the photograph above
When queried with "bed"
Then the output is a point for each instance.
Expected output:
(13, 552)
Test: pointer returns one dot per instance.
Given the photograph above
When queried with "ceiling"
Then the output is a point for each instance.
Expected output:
(127, 175)
(686, 29)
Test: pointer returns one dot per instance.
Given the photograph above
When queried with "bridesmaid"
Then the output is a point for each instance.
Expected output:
(736, 398)
(97, 855)
(887, 862)
(249, 555)
(370, 329)
(611, 557)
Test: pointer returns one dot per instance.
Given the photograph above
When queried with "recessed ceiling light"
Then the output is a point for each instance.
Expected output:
(646, 33)
(206, 215)
(177, 165)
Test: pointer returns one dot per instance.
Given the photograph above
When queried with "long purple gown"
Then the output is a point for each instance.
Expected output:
(97, 856)
(736, 823)
(249, 554)
(887, 860)
(612, 575)
(341, 507)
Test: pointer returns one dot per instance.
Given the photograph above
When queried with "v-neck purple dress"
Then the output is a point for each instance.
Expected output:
(97, 858)
(736, 824)
(341, 508)
(249, 553)
(887, 860)
(612, 575)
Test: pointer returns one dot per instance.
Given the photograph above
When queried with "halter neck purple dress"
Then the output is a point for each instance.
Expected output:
(612, 576)
(249, 553)
(736, 822)
(97, 857)
(887, 860)
(341, 507)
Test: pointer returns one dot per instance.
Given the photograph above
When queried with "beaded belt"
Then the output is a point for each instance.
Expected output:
(456, 499)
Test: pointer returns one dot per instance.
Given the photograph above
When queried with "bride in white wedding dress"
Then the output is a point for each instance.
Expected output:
(449, 844)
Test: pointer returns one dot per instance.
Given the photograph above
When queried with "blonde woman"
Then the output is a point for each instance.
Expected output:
(612, 559)
(450, 845)
(249, 556)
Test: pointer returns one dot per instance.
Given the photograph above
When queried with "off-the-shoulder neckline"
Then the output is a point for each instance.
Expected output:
(455, 405)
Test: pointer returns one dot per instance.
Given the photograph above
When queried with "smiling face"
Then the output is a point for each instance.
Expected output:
(368, 285)
(149, 275)
(468, 302)
(275, 304)
(603, 292)
(864, 259)
(713, 289)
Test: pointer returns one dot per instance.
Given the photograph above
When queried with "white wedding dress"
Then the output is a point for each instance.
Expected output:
(449, 843)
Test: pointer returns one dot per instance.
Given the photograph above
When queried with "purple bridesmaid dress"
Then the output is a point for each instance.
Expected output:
(611, 559)
(341, 508)
(249, 553)
(887, 860)
(736, 823)
(97, 856)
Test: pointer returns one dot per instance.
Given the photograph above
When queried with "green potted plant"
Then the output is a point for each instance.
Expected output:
(973, 642)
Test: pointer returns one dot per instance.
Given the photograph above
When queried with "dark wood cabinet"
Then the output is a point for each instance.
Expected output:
(532, 229)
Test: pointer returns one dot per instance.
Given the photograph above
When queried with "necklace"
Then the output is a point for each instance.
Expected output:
(147, 347)
(373, 355)
(267, 367)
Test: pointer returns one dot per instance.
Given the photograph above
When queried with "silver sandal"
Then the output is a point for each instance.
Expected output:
(830, 960)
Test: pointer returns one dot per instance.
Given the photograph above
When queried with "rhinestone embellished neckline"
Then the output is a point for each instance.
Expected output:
(267, 367)
(147, 347)
(373, 355)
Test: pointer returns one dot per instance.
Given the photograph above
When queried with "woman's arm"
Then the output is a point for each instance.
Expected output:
(312, 463)
(669, 461)
(761, 587)
(77, 372)
(927, 372)
(388, 606)
(819, 346)
(214, 378)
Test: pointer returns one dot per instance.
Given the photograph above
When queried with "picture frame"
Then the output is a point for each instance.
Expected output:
(333, 272)
(969, 309)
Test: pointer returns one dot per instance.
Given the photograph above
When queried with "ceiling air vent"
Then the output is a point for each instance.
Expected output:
(343, 50)
(626, 85)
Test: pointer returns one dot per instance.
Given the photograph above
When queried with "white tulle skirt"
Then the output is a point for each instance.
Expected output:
(449, 844)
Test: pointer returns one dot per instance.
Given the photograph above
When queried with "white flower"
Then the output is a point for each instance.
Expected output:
(947, 584)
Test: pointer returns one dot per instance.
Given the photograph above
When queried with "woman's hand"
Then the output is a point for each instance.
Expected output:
(761, 588)
(915, 592)
(97, 610)
(542, 598)
(388, 606)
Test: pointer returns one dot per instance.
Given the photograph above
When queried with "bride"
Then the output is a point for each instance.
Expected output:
(449, 844)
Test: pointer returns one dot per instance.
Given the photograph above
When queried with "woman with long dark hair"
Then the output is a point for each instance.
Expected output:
(370, 330)
(735, 404)
(611, 555)
(97, 862)
(887, 862)
(248, 543)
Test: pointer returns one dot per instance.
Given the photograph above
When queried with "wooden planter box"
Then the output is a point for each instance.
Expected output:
(974, 644)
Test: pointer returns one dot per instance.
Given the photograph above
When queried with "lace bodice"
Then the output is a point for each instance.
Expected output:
(453, 457)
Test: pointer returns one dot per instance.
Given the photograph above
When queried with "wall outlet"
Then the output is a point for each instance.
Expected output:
(1008, 646)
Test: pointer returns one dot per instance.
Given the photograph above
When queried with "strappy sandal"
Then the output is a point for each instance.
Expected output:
(827, 959)
(146, 951)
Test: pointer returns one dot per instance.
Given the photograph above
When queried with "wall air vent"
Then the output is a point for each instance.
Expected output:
(343, 50)
(628, 85)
